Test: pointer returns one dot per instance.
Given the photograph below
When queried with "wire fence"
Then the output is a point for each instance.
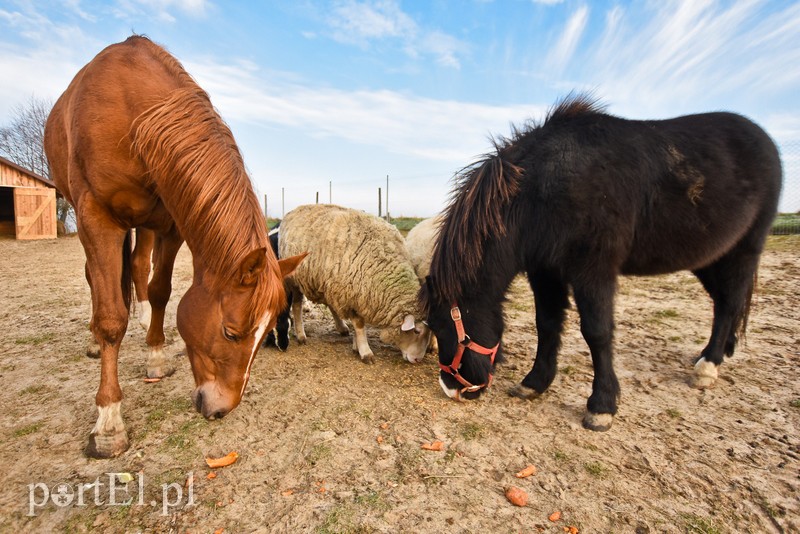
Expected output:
(788, 219)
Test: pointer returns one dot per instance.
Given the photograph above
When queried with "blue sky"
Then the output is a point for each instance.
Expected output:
(350, 91)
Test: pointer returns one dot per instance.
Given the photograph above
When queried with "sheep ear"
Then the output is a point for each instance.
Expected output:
(408, 323)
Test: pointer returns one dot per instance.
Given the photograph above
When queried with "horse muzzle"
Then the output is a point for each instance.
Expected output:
(210, 402)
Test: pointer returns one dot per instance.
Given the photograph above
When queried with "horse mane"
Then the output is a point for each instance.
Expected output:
(476, 210)
(198, 172)
(479, 200)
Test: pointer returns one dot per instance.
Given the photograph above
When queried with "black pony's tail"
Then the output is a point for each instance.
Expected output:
(127, 271)
(742, 331)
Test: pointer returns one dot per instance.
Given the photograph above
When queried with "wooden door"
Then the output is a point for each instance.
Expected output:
(35, 212)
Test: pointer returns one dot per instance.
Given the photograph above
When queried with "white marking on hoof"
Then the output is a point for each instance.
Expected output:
(109, 419)
(108, 438)
(705, 374)
(599, 422)
(452, 393)
(144, 312)
(157, 366)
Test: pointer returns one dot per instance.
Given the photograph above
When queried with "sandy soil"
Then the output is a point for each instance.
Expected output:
(328, 444)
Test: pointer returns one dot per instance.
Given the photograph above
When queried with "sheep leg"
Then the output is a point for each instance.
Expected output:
(360, 341)
(297, 316)
(339, 323)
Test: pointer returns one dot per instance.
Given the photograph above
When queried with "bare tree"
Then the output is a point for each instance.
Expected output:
(22, 141)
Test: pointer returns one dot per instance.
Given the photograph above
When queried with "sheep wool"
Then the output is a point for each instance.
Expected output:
(420, 242)
(357, 263)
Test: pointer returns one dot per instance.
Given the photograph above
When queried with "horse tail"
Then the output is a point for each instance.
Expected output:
(127, 271)
(742, 333)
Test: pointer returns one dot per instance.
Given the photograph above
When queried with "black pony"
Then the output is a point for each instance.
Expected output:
(279, 336)
(577, 201)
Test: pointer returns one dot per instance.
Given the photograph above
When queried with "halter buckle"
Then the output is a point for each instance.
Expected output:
(455, 313)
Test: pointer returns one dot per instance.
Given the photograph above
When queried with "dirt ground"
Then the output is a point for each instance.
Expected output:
(328, 444)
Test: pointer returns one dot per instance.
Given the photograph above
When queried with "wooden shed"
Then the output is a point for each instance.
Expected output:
(27, 203)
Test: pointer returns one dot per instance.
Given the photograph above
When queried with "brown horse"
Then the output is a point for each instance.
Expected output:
(134, 142)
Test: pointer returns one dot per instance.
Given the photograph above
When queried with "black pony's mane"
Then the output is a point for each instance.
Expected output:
(478, 204)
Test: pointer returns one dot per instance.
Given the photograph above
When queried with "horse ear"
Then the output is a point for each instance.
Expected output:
(288, 265)
(252, 266)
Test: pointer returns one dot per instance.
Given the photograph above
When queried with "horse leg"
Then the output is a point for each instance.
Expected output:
(159, 290)
(141, 273)
(340, 326)
(360, 343)
(551, 298)
(729, 281)
(297, 315)
(103, 242)
(92, 346)
(595, 303)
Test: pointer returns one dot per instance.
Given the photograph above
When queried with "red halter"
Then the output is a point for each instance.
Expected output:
(464, 342)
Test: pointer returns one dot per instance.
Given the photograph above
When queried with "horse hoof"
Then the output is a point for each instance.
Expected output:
(523, 392)
(598, 422)
(107, 446)
(705, 374)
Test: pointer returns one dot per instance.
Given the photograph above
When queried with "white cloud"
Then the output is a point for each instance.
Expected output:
(359, 22)
(436, 130)
(562, 52)
(163, 9)
(684, 55)
(372, 21)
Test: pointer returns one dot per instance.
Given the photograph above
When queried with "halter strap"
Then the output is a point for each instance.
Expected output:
(464, 342)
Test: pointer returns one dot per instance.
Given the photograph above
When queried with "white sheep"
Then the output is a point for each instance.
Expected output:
(359, 267)
(419, 243)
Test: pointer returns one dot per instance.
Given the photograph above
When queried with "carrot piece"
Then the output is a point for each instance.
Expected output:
(152, 380)
(528, 471)
(226, 460)
(555, 516)
(435, 446)
(516, 496)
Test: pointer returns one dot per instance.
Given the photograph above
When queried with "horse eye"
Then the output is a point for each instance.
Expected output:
(228, 335)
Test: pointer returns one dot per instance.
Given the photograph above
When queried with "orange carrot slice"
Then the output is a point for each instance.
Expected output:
(226, 460)
(528, 471)
(435, 446)
(516, 496)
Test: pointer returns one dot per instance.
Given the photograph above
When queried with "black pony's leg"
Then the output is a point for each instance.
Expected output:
(551, 302)
(595, 302)
(282, 327)
(729, 281)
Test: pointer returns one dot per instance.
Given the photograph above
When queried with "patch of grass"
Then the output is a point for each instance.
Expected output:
(404, 224)
(318, 452)
(596, 469)
(666, 314)
(699, 525)
(27, 430)
(340, 520)
(471, 431)
(568, 370)
(373, 500)
(795, 403)
(560, 456)
(675, 339)
(673, 413)
(35, 340)
(33, 390)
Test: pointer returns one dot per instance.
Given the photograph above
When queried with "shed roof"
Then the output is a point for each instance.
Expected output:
(23, 170)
